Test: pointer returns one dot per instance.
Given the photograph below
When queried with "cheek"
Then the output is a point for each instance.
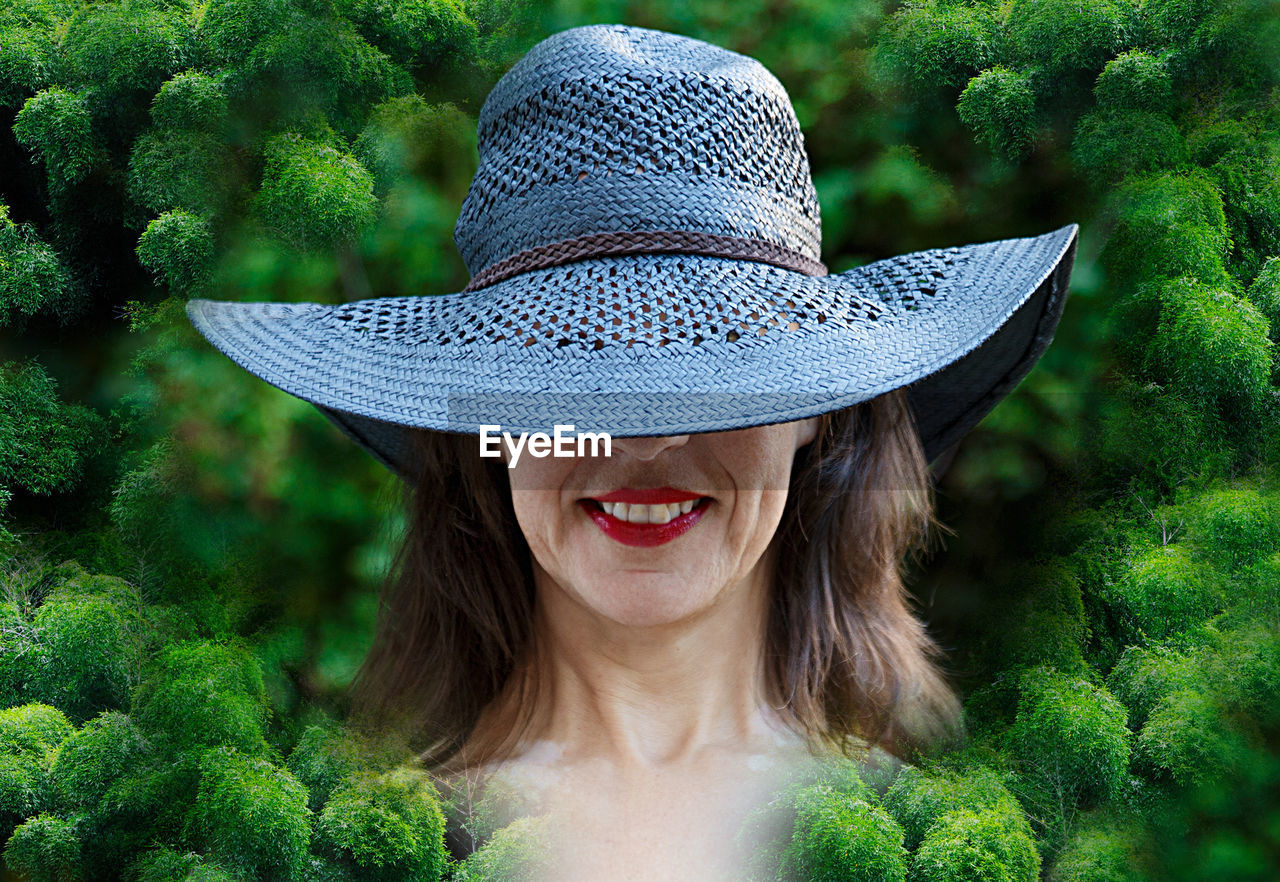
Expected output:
(759, 459)
(758, 462)
(539, 504)
(540, 474)
(756, 516)
(536, 512)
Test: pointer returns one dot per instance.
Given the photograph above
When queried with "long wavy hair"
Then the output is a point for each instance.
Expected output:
(846, 659)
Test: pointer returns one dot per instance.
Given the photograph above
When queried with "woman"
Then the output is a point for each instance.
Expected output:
(708, 656)
(642, 646)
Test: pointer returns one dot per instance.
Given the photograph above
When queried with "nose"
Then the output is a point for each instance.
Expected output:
(650, 448)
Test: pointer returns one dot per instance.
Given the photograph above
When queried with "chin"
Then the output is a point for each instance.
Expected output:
(642, 600)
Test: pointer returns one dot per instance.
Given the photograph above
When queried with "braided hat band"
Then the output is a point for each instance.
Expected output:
(643, 237)
(656, 242)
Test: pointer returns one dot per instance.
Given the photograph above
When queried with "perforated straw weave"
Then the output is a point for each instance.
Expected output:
(643, 236)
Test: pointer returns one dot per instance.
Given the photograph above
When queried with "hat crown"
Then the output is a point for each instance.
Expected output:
(613, 129)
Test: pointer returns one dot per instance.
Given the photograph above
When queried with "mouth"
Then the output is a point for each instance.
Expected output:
(644, 518)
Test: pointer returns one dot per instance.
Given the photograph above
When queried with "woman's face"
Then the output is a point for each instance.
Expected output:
(663, 529)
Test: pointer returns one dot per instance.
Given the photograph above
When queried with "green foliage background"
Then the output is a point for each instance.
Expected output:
(189, 558)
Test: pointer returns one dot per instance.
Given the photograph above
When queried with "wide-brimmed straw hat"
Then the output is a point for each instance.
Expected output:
(643, 236)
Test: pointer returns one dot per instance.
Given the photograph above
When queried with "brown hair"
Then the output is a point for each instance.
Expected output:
(845, 656)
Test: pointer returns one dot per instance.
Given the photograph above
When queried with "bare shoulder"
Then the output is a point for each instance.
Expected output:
(482, 799)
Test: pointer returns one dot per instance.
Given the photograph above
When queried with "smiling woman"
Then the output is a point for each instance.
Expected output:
(641, 647)
(641, 681)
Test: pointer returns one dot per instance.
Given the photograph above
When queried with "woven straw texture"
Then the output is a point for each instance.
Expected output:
(606, 128)
(643, 237)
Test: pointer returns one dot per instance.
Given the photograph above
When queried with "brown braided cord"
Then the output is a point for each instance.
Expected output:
(646, 242)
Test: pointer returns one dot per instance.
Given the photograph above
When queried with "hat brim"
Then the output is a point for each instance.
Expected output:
(665, 344)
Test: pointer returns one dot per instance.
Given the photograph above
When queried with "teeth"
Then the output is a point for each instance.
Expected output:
(648, 514)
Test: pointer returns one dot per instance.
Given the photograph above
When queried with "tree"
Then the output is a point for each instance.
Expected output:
(229, 550)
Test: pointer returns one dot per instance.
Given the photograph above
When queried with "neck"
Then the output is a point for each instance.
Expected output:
(652, 695)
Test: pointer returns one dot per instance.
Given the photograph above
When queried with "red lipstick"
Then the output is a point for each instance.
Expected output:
(651, 496)
(645, 535)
